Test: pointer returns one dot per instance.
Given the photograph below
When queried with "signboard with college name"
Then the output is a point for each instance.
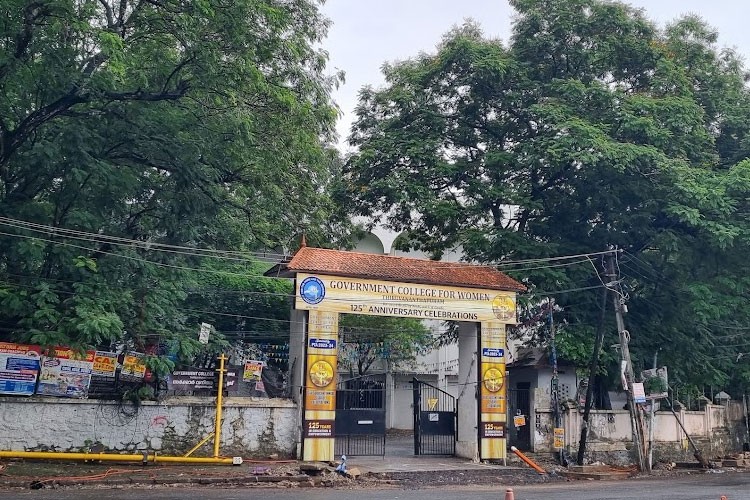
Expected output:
(408, 300)
(19, 368)
(66, 373)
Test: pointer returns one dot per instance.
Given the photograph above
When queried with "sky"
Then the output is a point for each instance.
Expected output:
(367, 33)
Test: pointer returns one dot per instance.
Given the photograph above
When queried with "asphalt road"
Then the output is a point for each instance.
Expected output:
(736, 486)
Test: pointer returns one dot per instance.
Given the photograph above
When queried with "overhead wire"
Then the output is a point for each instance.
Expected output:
(243, 255)
(104, 238)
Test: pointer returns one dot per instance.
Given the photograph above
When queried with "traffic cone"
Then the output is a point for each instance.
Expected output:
(509, 494)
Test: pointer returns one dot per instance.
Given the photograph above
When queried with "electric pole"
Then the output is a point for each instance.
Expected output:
(635, 420)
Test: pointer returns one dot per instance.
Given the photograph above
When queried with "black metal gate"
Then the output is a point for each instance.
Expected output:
(435, 420)
(360, 416)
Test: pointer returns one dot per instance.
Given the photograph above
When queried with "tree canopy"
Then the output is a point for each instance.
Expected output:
(154, 128)
(591, 127)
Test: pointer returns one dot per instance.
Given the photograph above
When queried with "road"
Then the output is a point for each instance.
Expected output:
(736, 486)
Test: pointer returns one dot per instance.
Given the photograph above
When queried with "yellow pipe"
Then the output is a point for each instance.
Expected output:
(219, 401)
(114, 457)
(203, 441)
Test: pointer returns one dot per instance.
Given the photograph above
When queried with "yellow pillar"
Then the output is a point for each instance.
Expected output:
(493, 391)
(320, 386)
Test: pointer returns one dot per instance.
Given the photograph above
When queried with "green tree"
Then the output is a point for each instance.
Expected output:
(590, 128)
(369, 339)
(173, 124)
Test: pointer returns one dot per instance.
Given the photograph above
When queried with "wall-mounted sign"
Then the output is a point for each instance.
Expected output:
(253, 371)
(105, 364)
(19, 368)
(66, 373)
(133, 366)
(559, 442)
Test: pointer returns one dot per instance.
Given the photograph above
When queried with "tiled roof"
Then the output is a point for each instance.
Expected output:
(388, 268)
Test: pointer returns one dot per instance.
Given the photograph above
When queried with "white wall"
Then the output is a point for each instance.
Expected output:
(249, 427)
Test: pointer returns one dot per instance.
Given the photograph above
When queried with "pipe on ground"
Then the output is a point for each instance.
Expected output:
(528, 461)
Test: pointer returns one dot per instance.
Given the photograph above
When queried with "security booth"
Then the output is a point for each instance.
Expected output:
(332, 282)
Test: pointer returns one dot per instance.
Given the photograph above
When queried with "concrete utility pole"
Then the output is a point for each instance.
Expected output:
(635, 420)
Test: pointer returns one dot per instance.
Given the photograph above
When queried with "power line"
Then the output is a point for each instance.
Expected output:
(138, 259)
(242, 256)
(104, 238)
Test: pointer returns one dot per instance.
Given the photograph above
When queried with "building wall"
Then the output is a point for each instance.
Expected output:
(610, 436)
(250, 427)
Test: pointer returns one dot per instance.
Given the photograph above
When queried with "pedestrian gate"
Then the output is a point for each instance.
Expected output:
(435, 420)
(360, 417)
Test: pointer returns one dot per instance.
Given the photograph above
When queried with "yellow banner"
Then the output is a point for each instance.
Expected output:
(320, 386)
(493, 390)
(408, 300)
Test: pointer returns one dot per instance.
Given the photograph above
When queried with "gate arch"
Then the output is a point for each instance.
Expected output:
(333, 282)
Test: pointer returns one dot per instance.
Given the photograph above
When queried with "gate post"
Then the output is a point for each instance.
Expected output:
(318, 427)
(467, 442)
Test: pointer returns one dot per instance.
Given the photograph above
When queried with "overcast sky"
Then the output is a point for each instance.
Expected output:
(367, 33)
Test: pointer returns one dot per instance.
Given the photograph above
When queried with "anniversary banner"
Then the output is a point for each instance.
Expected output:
(408, 300)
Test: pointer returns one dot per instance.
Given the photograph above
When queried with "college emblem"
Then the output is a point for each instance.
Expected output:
(504, 307)
(312, 290)
(493, 379)
(321, 373)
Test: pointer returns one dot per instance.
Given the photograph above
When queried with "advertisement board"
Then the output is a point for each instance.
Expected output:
(19, 368)
(133, 366)
(105, 364)
(66, 373)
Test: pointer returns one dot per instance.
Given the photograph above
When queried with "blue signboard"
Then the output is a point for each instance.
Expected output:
(19, 368)
(493, 352)
(322, 343)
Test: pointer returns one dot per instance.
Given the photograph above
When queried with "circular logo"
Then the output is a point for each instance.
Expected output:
(493, 379)
(312, 290)
(504, 307)
(321, 373)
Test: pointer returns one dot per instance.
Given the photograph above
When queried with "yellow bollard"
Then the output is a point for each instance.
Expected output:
(219, 402)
